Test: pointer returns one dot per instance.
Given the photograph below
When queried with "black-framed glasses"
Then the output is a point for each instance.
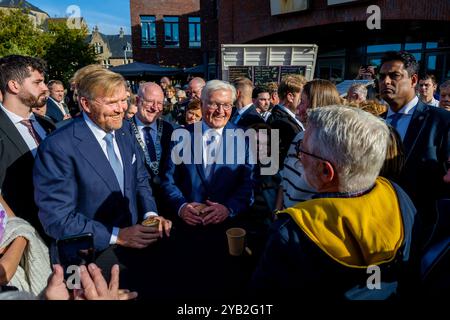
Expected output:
(299, 150)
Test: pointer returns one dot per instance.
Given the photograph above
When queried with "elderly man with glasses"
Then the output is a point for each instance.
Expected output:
(208, 188)
(357, 222)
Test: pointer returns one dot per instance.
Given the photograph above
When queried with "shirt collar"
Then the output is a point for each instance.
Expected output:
(98, 132)
(241, 111)
(408, 108)
(141, 125)
(205, 128)
(14, 117)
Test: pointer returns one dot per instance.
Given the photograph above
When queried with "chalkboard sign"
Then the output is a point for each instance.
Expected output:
(265, 74)
(285, 70)
(239, 71)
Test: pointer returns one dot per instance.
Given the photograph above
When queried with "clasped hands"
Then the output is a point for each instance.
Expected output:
(195, 213)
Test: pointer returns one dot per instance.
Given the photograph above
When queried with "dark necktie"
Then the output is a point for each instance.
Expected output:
(150, 143)
(33, 133)
(395, 118)
(210, 154)
(113, 159)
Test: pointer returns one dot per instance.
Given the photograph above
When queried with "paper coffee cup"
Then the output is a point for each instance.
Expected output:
(236, 241)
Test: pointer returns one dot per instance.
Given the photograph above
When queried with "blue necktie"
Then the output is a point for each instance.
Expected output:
(210, 155)
(236, 118)
(150, 143)
(113, 159)
(395, 118)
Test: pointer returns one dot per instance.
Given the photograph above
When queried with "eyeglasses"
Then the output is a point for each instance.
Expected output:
(215, 106)
(299, 150)
(146, 103)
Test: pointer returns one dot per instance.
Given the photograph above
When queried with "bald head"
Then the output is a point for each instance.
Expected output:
(195, 87)
(150, 102)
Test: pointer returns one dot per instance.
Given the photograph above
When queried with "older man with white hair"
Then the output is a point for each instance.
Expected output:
(206, 191)
(358, 222)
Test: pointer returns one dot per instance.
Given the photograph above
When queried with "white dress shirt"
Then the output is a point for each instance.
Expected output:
(242, 110)
(407, 112)
(23, 130)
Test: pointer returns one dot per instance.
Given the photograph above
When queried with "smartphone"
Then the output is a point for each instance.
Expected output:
(75, 250)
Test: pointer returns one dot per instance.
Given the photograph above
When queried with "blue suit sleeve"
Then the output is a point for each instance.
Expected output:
(56, 193)
(174, 196)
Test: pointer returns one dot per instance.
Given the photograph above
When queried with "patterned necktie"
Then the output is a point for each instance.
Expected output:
(33, 133)
(150, 143)
(113, 159)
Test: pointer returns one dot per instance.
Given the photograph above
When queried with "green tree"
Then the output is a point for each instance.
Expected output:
(19, 36)
(67, 51)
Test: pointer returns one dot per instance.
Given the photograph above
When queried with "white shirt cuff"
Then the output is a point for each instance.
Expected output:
(181, 207)
(114, 235)
(150, 214)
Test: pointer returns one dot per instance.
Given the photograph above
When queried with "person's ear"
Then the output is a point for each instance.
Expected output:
(328, 173)
(85, 104)
(414, 80)
(13, 86)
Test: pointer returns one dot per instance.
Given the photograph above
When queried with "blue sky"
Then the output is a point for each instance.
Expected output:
(109, 16)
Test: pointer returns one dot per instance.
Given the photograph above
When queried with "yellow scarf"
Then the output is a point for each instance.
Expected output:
(356, 232)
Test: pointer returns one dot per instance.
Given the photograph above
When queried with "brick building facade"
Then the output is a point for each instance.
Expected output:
(180, 33)
(345, 42)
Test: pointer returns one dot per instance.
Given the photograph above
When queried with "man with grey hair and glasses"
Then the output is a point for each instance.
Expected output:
(357, 221)
(207, 189)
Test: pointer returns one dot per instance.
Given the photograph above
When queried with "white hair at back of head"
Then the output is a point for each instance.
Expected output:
(215, 85)
(355, 142)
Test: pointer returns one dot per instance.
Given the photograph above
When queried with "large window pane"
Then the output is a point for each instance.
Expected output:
(148, 35)
(413, 46)
(384, 48)
(171, 36)
(194, 32)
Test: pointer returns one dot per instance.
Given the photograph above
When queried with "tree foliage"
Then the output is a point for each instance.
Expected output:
(65, 49)
(19, 36)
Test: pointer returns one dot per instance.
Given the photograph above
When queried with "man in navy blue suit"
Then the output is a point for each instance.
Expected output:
(424, 131)
(206, 190)
(90, 178)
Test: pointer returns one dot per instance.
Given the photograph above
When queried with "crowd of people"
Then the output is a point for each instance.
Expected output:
(158, 176)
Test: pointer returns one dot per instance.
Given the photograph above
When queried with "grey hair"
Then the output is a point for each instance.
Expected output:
(354, 141)
(359, 88)
(214, 85)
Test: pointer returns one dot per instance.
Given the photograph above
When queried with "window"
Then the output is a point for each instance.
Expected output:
(171, 38)
(148, 27)
(383, 48)
(98, 48)
(195, 39)
(413, 46)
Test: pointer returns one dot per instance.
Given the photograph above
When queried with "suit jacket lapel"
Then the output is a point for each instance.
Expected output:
(414, 129)
(94, 154)
(13, 134)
